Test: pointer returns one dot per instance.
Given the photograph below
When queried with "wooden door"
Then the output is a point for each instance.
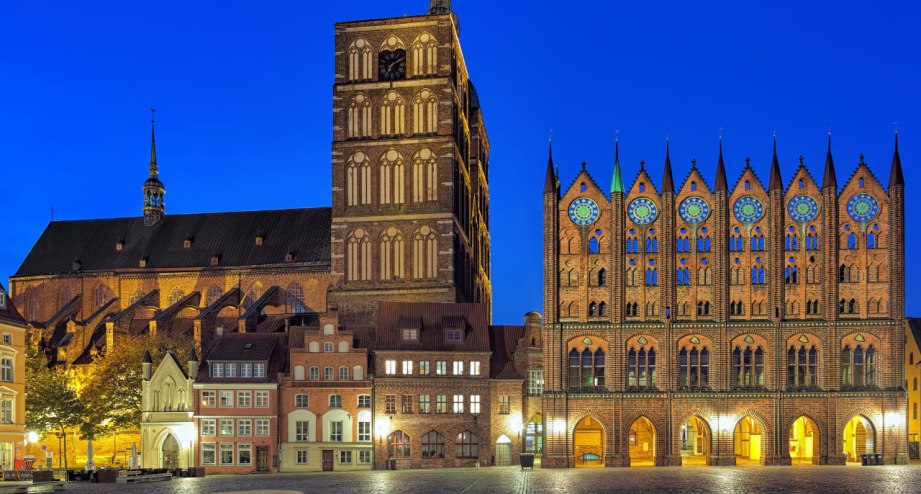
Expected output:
(503, 454)
(327, 460)
(262, 458)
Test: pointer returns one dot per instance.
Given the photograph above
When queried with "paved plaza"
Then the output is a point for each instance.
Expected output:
(824, 480)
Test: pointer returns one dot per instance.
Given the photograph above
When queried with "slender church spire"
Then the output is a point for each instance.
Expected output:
(776, 182)
(720, 184)
(550, 181)
(829, 180)
(668, 184)
(895, 173)
(617, 181)
(154, 207)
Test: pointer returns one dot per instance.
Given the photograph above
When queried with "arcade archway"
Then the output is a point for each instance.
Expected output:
(695, 441)
(588, 443)
(746, 441)
(804, 441)
(642, 443)
(859, 438)
(170, 452)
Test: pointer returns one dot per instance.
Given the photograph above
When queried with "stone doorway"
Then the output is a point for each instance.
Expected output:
(170, 452)
(588, 443)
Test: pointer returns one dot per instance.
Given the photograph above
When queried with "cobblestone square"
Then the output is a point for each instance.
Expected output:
(824, 479)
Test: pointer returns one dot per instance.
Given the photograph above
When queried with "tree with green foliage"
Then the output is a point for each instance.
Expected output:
(112, 394)
(52, 402)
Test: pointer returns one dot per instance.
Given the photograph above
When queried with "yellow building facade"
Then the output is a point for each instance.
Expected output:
(912, 378)
(12, 383)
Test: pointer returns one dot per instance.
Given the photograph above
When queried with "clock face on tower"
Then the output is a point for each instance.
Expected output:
(583, 211)
(391, 65)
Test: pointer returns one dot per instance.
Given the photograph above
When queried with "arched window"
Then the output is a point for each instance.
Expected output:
(100, 295)
(591, 309)
(586, 368)
(425, 176)
(358, 256)
(694, 367)
(812, 239)
(425, 253)
(703, 244)
(391, 177)
(851, 241)
(393, 114)
(433, 445)
(652, 244)
(359, 116)
(301, 400)
(295, 299)
(747, 367)
(641, 367)
(425, 112)
(633, 244)
(858, 366)
(328, 374)
(136, 296)
(358, 179)
(359, 60)
(871, 240)
(601, 308)
(602, 277)
(684, 277)
(343, 373)
(757, 241)
(593, 245)
(466, 445)
(758, 273)
(631, 309)
(791, 275)
(682, 244)
(314, 373)
(214, 293)
(328, 347)
(175, 295)
(399, 445)
(298, 372)
(652, 276)
(703, 308)
(392, 255)
(802, 366)
(425, 55)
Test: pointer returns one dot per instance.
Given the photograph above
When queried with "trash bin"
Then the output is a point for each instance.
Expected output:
(871, 460)
(863, 460)
(526, 460)
(879, 459)
(393, 464)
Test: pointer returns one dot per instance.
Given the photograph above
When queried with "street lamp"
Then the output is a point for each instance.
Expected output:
(381, 428)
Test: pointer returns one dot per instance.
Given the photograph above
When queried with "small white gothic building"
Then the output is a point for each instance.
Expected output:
(167, 427)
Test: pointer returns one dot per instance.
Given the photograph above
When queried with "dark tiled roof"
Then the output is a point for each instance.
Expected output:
(262, 347)
(503, 340)
(915, 324)
(231, 236)
(434, 316)
(8, 312)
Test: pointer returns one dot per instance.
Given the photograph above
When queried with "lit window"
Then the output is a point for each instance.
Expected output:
(441, 368)
(302, 430)
(262, 427)
(226, 427)
(335, 431)
(208, 454)
(390, 367)
(208, 399)
(226, 399)
(475, 368)
(474, 403)
(407, 404)
(458, 404)
(207, 427)
(335, 401)
(458, 368)
(245, 427)
(244, 399)
(424, 404)
(410, 334)
(364, 431)
(503, 405)
(423, 367)
(364, 401)
(441, 404)
(407, 367)
(535, 382)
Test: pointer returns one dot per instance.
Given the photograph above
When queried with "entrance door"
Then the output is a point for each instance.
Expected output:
(170, 452)
(262, 458)
(327, 460)
(503, 451)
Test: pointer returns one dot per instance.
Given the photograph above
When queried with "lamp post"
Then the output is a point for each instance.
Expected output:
(381, 428)
(60, 436)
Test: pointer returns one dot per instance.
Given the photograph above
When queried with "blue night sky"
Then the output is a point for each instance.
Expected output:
(244, 103)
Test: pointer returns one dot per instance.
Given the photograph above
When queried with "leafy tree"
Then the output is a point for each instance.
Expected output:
(112, 394)
(52, 402)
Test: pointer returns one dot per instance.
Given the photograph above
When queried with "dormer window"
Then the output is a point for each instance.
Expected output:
(2, 300)
(119, 245)
(215, 260)
(143, 262)
(289, 256)
(454, 335)
(77, 265)
(187, 243)
(260, 238)
(410, 334)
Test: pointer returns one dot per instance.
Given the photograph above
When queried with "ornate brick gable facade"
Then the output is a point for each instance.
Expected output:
(724, 325)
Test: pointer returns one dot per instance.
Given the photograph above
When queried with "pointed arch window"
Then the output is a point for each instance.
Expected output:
(425, 55)
(683, 276)
(703, 243)
(858, 366)
(214, 293)
(791, 275)
(602, 277)
(358, 256)
(100, 295)
(757, 277)
(392, 175)
(175, 295)
(652, 244)
(641, 367)
(359, 116)
(632, 243)
(358, 179)
(393, 114)
(399, 445)
(433, 445)
(682, 243)
(703, 308)
(360, 60)
(425, 112)
(586, 368)
(295, 299)
(694, 367)
(392, 254)
(425, 253)
(425, 176)
(802, 366)
(812, 239)
(139, 294)
(747, 367)
(652, 277)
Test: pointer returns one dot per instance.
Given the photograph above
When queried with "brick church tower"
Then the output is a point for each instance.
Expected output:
(410, 164)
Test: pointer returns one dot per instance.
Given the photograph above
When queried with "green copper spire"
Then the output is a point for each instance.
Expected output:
(617, 182)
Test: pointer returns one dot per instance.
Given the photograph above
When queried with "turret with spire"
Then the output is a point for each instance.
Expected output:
(668, 184)
(776, 182)
(550, 180)
(617, 181)
(829, 179)
(720, 184)
(895, 173)
(154, 206)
